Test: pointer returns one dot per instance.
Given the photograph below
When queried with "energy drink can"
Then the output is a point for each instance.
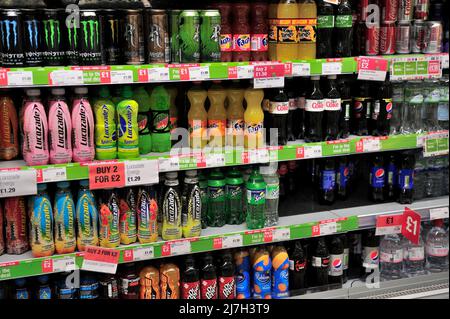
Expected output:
(112, 26)
(90, 38)
(53, 46)
(134, 50)
(210, 35)
(11, 31)
(157, 34)
(174, 19)
(73, 41)
(189, 31)
(32, 37)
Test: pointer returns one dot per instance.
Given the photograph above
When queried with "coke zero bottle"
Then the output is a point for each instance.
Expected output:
(332, 110)
(325, 28)
(314, 108)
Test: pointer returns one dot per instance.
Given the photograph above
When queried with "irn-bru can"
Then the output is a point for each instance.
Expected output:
(387, 38)
(189, 36)
(210, 35)
(262, 283)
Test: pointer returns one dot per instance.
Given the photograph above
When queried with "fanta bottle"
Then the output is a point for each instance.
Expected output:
(64, 216)
(109, 220)
(262, 265)
(242, 263)
(60, 128)
(82, 127)
(307, 13)
(141, 96)
(254, 118)
(34, 127)
(197, 118)
(105, 126)
(127, 113)
(41, 224)
(217, 117)
(235, 117)
(280, 272)
(87, 217)
(160, 105)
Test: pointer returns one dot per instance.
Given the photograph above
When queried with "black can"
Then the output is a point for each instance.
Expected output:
(73, 41)
(11, 31)
(157, 36)
(134, 46)
(90, 38)
(54, 52)
(32, 37)
(112, 26)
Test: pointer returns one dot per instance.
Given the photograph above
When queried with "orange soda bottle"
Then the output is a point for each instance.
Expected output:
(197, 118)
(253, 117)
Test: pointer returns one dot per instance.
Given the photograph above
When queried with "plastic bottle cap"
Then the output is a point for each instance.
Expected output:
(84, 183)
(81, 90)
(332, 77)
(104, 92)
(42, 187)
(58, 91)
(268, 169)
(172, 175)
(63, 185)
(33, 92)
(315, 78)
(191, 173)
(127, 92)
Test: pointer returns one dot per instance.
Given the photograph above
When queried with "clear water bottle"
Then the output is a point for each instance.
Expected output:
(435, 176)
(412, 113)
(270, 175)
(420, 177)
(414, 257)
(398, 99)
(431, 103)
(391, 257)
(443, 103)
(437, 247)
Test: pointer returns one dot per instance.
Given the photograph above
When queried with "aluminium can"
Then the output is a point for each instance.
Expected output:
(134, 42)
(90, 34)
(174, 21)
(11, 31)
(403, 37)
(54, 36)
(418, 36)
(112, 26)
(210, 21)
(433, 37)
(389, 10)
(73, 41)
(387, 38)
(405, 10)
(189, 32)
(157, 36)
(421, 8)
(32, 37)
(373, 39)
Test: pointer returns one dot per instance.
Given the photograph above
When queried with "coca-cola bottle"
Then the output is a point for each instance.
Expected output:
(293, 105)
(382, 109)
(208, 282)
(299, 114)
(190, 281)
(325, 28)
(344, 87)
(314, 107)
(343, 32)
(278, 113)
(361, 108)
(332, 110)
(227, 286)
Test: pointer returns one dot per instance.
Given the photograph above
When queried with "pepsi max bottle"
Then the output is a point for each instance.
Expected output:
(336, 269)
(377, 180)
(391, 178)
(382, 110)
(327, 182)
(370, 252)
(362, 105)
(320, 262)
(406, 179)
(342, 178)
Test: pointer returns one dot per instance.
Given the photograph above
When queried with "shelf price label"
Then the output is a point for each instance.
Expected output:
(199, 73)
(436, 143)
(228, 241)
(389, 224)
(107, 175)
(372, 69)
(141, 172)
(51, 174)
(18, 182)
(158, 74)
(411, 225)
(169, 164)
(64, 264)
(368, 145)
(330, 68)
(215, 159)
(439, 213)
(99, 259)
(324, 228)
(268, 76)
(309, 151)
(20, 78)
(301, 69)
(143, 253)
(121, 76)
(65, 77)
(281, 234)
(173, 248)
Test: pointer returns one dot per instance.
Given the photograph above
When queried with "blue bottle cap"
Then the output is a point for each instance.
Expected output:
(84, 183)
(63, 185)
(42, 187)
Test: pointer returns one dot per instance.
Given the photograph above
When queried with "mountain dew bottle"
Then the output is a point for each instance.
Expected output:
(160, 106)
(127, 113)
(216, 199)
(145, 139)
(256, 200)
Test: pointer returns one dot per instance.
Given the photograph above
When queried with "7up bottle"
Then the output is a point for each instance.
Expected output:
(189, 36)
(210, 35)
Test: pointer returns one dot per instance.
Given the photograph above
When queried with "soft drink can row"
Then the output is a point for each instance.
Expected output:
(421, 9)
(403, 36)
(405, 10)
(389, 10)
(387, 38)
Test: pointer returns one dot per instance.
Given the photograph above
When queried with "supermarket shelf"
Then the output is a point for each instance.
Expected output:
(160, 73)
(430, 286)
(185, 159)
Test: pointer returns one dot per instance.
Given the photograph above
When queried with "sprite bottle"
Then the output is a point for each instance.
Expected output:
(256, 200)
(216, 199)
(234, 194)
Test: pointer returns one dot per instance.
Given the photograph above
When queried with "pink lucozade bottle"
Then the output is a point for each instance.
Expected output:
(82, 127)
(34, 128)
(60, 128)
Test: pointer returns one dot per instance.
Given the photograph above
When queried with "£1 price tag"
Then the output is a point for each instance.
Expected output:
(389, 224)
(411, 225)
(18, 183)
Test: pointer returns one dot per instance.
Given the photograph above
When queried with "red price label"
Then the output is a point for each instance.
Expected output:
(105, 77)
(47, 266)
(4, 77)
(232, 72)
(315, 231)
(106, 175)
(434, 67)
(245, 158)
(165, 250)
(268, 236)
(360, 146)
(201, 160)
(100, 254)
(372, 64)
(217, 243)
(184, 74)
(143, 75)
(411, 225)
(300, 153)
(268, 71)
(288, 69)
(128, 255)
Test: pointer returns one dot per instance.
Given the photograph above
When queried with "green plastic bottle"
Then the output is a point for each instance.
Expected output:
(145, 139)
(203, 184)
(160, 106)
(127, 113)
(116, 94)
(256, 200)
(234, 193)
(105, 126)
(216, 199)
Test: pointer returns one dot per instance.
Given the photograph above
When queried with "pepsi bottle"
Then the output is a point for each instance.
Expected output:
(336, 269)
(344, 86)
(362, 104)
(406, 179)
(391, 178)
(346, 260)
(382, 110)
(278, 114)
(327, 182)
(342, 178)
(320, 262)
(297, 267)
(332, 110)
(314, 107)
(377, 179)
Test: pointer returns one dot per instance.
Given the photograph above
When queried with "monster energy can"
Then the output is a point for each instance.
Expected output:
(134, 50)
(11, 33)
(73, 41)
(53, 48)
(112, 31)
(90, 38)
(210, 35)
(32, 39)
(174, 18)
(189, 30)
(157, 35)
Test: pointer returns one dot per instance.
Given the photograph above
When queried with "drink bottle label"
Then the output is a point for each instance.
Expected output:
(358, 106)
(391, 172)
(243, 285)
(376, 109)
(226, 42)
(406, 179)
(197, 128)
(147, 210)
(190, 290)
(273, 191)
(306, 30)
(256, 197)
(293, 104)
(377, 177)
(64, 215)
(280, 283)
(394, 256)
(262, 284)
(297, 265)
(344, 21)
(328, 179)
(437, 249)
(416, 99)
(209, 288)
(283, 31)
(216, 194)
(45, 293)
(388, 105)
(336, 265)
(301, 102)
(259, 42)
(370, 257)
(342, 177)
(325, 22)
(216, 128)
(236, 127)
(346, 256)
(314, 105)
(279, 107)
(227, 288)
(321, 262)
(161, 122)
(22, 294)
(415, 253)
(346, 106)
(241, 42)
(332, 104)
(433, 96)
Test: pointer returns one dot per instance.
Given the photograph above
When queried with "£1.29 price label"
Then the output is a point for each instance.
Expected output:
(15, 183)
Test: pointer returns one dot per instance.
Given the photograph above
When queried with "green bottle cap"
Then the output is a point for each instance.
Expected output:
(234, 177)
(216, 179)
(255, 181)
(127, 92)
(104, 92)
